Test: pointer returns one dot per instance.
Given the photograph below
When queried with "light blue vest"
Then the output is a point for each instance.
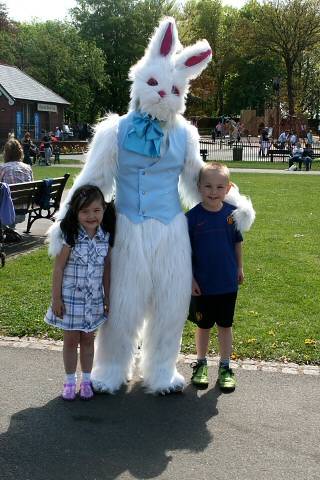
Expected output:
(148, 187)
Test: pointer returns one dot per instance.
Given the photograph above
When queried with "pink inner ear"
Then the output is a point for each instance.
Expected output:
(167, 41)
(197, 58)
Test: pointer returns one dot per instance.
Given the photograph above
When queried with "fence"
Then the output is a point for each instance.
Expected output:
(226, 150)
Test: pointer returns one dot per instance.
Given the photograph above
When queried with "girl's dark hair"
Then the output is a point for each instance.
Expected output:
(82, 198)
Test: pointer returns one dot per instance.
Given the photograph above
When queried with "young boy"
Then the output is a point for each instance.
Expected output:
(217, 270)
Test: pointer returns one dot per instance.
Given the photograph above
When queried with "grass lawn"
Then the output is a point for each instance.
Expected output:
(266, 165)
(39, 173)
(277, 314)
(64, 160)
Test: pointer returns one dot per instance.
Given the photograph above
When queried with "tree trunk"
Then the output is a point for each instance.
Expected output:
(220, 97)
(290, 87)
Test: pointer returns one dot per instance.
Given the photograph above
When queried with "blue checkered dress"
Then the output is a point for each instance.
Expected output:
(82, 286)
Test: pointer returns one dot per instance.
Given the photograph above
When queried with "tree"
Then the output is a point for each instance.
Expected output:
(290, 29)
(253, 67)
(69, 65)
(202, 19)
(121, 29)
(5, 22)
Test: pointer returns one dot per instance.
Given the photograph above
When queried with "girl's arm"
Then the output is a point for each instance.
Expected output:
(106, 280)
(238, 249)
(57, 277)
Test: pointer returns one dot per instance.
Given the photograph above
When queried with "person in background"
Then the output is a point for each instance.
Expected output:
(13, 170)
(293, 139)
(219, 129)
(297, 152)
(309, 138)
(29, 149)
(46, 139)
(307, 157)
(58, 133)
(264, 143)
(283, 138)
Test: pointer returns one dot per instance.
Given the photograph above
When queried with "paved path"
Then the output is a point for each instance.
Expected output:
(268, 429)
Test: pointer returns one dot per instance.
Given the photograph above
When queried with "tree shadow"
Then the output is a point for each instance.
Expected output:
(100, 439)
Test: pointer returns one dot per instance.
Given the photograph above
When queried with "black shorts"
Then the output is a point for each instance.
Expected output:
(206, 310)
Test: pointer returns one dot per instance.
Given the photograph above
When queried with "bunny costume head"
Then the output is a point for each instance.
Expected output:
(160, 80)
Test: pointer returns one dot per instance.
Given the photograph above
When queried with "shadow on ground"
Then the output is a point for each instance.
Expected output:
(100, 440)
(29, 242)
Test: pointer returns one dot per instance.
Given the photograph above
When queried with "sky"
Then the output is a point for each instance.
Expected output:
(57, 9)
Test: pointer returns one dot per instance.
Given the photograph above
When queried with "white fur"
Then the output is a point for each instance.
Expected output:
(150, 279)
(188, 184)
(244, 215)
(150, 262)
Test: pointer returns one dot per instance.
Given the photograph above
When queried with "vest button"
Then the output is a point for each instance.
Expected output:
(143, 193)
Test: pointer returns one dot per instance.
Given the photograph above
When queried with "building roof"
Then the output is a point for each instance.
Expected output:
(19, 85)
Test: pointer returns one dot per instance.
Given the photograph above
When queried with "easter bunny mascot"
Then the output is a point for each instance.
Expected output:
(148, 157)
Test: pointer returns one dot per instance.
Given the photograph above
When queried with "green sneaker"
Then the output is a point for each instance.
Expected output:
(226, 379)
(200, 375)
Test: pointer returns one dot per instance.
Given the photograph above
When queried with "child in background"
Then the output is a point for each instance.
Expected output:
(81, 282)
(217, 270)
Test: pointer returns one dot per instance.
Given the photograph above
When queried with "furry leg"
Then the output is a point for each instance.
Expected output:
(130, 288)
(171, 276)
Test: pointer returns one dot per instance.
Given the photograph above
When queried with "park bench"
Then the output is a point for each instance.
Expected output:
(40, 199)
(284, 153)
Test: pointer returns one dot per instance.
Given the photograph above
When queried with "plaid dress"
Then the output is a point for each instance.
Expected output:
(82, 286)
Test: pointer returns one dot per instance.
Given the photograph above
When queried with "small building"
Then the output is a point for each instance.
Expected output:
(27, 106)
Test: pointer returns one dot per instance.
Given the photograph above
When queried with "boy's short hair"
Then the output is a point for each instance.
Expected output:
(215, 166)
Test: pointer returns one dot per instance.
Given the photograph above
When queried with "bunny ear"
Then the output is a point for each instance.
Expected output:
(167, 40)
(195, 59)
(164, 41)
(192, 60)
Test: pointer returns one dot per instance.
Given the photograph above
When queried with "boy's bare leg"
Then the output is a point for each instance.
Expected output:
(202, 342)
(225, 342)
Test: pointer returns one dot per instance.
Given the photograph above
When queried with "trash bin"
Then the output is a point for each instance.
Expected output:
(237, 153)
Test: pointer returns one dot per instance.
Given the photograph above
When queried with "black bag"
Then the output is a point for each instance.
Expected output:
(11, 236)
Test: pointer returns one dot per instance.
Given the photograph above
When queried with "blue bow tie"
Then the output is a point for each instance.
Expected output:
(145, 136)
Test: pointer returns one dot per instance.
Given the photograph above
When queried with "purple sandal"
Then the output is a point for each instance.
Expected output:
(86, 392)
(69, 391)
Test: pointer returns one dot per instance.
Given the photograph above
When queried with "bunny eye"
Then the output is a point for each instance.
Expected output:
(175, 90)
(152, 81)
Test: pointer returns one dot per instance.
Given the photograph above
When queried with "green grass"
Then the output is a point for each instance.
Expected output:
(39, 173)
(64, 160)
(277, 314)
(267, 165)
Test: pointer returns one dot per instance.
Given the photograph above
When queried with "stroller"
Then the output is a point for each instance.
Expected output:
(2, 253)
(7, 217)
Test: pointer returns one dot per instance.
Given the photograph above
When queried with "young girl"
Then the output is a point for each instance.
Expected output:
(81, 280)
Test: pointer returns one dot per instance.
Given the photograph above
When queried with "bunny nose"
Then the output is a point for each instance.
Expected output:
(162, 93)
